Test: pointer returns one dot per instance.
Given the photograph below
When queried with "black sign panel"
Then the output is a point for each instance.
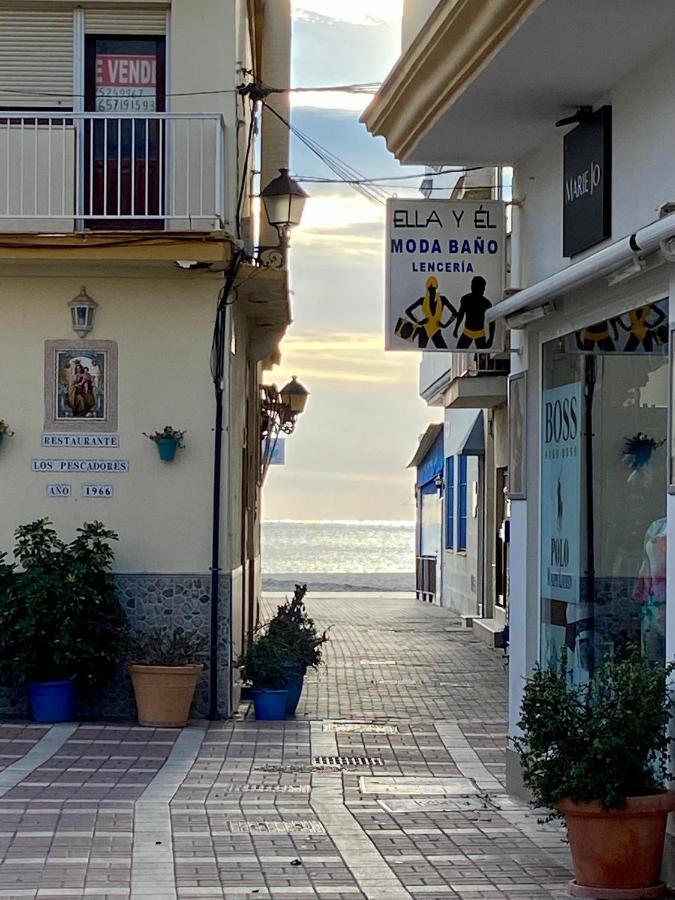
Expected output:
(587, 185)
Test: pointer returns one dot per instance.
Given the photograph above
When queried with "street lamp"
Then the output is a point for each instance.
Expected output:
(284, 201)
(294, 396)
(279, 412)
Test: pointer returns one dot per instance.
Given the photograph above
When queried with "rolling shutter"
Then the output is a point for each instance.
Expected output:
(36, 58)
(125, 21)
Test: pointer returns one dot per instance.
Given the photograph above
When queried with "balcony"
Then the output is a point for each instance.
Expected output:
(480, 382)
(94, 171)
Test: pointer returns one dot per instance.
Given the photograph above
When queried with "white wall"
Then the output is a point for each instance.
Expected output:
(162, 321)
(643, 175)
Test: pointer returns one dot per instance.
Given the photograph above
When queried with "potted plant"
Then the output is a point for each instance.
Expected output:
(168, 441)
(263, 666)
(61, 625)
(294, 627)
(165, 667)
(596, 754)
(5, 430)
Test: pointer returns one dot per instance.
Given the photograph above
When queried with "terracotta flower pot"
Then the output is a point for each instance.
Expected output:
(164, 693)
(618, 854)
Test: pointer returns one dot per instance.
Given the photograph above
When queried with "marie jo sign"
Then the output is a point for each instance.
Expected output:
(587, 194)
(444, 270)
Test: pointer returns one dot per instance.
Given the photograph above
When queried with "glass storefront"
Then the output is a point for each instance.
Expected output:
(603, 489)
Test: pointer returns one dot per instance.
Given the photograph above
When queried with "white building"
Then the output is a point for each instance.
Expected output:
(590, 473)
(123, 142)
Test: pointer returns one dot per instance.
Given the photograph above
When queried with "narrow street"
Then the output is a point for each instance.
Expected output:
(388, 784)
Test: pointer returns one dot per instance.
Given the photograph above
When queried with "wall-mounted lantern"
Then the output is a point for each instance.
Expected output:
(82, 311)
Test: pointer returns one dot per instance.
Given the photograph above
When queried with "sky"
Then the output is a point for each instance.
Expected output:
(347, 458)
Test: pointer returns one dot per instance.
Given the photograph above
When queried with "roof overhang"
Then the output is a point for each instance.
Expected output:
(485, 81)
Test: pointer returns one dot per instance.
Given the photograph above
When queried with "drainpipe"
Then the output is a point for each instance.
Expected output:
(219, 353)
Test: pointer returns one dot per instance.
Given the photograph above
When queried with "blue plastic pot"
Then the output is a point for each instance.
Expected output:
(295, 677)
(269, 705)
(52, 701)
(167, 448)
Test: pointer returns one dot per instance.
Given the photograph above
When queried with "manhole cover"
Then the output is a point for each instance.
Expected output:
(430, 787)
(300, 827)
(359, 727)
(348, 761)
(436, 804)
(264, 788)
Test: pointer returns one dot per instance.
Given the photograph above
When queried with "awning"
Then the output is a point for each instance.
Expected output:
(474, 441)
(428, 460)
(518, 308)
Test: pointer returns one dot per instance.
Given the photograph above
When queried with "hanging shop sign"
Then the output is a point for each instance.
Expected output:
(444, 271)
(278, 457)
(587, 182)
(561, 493)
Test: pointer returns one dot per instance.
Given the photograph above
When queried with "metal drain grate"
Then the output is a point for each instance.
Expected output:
(359, 727)
(340, 761)
(264, 787)
(304, 826)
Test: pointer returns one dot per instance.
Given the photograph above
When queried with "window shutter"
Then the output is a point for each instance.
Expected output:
(125, 21)
(36, 58)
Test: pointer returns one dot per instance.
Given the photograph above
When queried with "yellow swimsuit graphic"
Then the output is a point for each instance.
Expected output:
(423, 320)
(432, 315)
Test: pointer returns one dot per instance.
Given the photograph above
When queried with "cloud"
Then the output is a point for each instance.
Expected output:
(331, 100)
(346, 358)
(327, 211)
(356, 12)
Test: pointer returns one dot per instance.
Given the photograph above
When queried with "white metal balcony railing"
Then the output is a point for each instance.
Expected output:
(81, 170)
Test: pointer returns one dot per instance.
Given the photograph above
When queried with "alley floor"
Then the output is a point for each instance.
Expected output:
(388, 784)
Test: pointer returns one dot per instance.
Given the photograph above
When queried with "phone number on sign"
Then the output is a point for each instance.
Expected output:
(125, 104)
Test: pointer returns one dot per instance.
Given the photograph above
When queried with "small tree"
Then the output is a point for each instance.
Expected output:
(294, 627)
(59, 614)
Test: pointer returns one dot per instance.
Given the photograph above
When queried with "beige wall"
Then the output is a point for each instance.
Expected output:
(162, 320)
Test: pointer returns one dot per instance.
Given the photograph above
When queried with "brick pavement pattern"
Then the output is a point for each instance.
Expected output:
(388, 784)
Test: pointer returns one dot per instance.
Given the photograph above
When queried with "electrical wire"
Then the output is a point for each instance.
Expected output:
(366, 88)
(345, 172)
(377, 179)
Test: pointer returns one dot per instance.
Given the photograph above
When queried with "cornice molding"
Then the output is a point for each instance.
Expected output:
(458, 41)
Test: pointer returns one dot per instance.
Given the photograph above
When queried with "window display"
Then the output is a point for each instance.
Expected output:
(603, 489)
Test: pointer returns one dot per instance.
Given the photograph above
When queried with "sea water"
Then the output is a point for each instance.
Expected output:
(380, 554)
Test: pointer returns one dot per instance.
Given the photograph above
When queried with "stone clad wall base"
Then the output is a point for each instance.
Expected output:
(151, 601)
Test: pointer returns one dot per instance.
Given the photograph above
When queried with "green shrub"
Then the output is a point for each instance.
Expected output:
(59, 614)
(161, 647)
(265, 663)
(606, 740)
(293, 626)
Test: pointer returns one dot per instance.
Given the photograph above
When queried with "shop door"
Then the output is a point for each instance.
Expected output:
(124, 148)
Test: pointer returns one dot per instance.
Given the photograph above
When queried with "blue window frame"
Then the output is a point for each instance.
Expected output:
(461, 503)
(450, 502)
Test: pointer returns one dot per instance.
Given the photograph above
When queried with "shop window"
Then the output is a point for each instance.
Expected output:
(450, 502)
(461, 501)
(603, 490)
